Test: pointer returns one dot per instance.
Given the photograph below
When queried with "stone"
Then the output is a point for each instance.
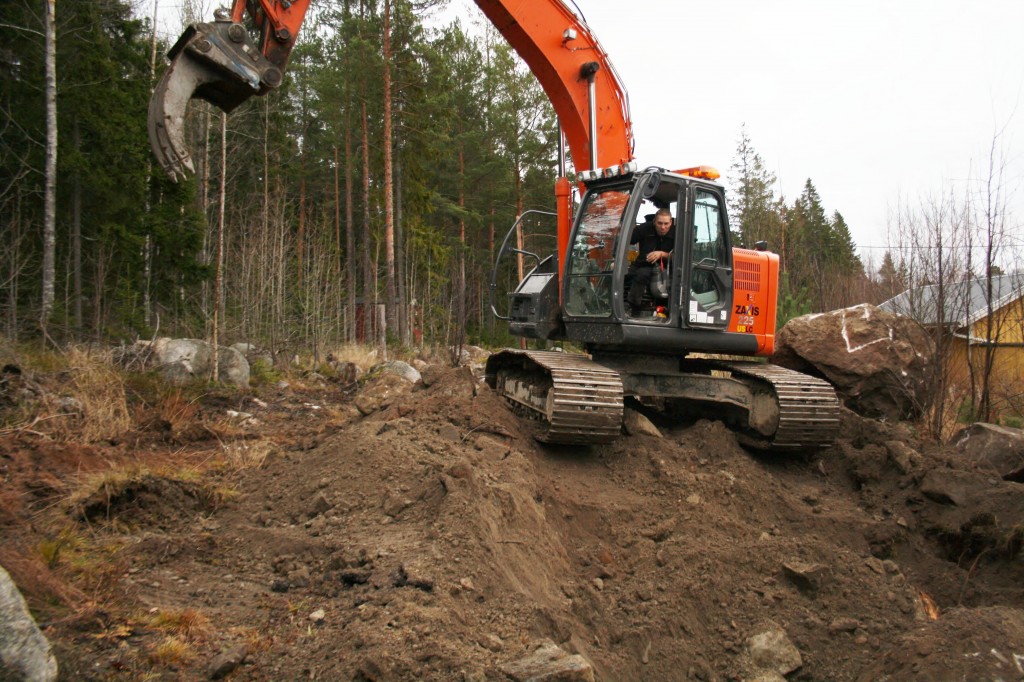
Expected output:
(450, 432)
(902, 456)
(232, 367)
(877, 361)
(399, 369)
(637, 424)
(182, 360)
(771, 649)
(319, 505)
(430, 374)
(25, 653)
(844, 625)
(549, 663)
(226, 661)
(999, 449)
(805, 576)
(947, 486)
(492, 643)
(348, 373)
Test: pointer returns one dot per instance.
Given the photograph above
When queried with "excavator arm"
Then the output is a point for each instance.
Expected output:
(219, 62)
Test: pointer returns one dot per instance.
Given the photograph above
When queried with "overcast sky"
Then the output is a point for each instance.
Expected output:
(872, 100)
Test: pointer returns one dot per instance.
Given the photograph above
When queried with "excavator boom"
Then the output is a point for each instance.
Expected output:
(221, 63)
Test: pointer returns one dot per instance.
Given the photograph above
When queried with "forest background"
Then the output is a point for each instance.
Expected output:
(298, 225)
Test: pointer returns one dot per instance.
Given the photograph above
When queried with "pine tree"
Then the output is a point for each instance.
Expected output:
(752, 207)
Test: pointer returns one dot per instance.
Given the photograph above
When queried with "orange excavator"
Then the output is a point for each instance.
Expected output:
(646, 342)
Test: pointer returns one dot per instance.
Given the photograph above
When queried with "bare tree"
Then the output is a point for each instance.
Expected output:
(218, 278)
(991, 217)
(50, 191)
(391, 295)
(929, 246)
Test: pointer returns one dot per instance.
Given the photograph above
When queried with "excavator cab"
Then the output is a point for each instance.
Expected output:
(600, 265)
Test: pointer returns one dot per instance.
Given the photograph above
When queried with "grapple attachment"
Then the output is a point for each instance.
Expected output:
(216, 62)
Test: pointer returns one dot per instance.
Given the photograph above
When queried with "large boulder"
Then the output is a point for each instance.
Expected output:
(879, 362)
(994, 448)
(182, 360)
(25, 653)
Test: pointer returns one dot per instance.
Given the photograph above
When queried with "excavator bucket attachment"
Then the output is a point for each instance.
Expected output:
(215, 62)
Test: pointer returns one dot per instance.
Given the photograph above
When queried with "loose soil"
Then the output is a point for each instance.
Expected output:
(434, 539)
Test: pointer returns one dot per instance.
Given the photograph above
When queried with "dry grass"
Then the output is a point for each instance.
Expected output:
(176, 409)
(243, 454)
(171, 651)
(187, 625)
(182, 629)
(91, 405)
(108, 494)
(104, 485)
(362, 356)
(41, 585)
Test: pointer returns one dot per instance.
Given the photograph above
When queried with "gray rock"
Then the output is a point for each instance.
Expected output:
(182, 360)
(25, 653)
(877, 361)
(636, 424)
(549, 663)
(772, 650)
(232, 367)
(996, 448)
(227, 661)
(399, 369)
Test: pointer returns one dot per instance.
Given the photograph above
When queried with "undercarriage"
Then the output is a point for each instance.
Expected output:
(580, 400)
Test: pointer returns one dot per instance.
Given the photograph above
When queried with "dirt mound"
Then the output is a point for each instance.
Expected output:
(143, 500)
(426, 535)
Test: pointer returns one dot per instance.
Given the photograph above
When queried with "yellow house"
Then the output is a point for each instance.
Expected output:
(977, 330)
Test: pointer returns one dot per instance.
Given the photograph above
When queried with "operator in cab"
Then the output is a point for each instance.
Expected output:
(655, 243)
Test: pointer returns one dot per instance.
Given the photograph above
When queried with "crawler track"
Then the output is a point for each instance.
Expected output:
(580, 401)
(808, 407)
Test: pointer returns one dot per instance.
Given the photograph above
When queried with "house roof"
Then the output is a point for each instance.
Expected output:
(963, 304)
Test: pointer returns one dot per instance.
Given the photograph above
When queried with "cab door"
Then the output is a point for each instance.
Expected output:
(707, 301)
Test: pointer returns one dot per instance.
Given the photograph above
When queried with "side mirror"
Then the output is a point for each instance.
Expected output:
(652, 185)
